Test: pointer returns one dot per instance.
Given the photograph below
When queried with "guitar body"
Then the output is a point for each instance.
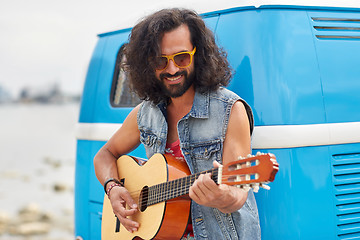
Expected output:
(164, 220)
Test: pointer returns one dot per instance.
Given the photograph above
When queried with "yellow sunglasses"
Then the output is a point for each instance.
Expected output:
(181, 60)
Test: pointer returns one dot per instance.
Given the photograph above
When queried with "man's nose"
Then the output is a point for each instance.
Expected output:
(172, 68)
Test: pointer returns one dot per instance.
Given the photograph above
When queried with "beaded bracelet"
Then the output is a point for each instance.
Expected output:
(111, 187)
(111, 180)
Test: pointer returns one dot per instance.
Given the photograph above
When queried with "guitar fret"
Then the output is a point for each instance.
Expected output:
(188, 182)
(180, 186)
(171, 193)
(175, 188)
(161, 190)
(183, 186)
(151, 193)
(154, 197)
(145, 200)
(160, 197)
(176, 192)
(156, 193)
(164, 191)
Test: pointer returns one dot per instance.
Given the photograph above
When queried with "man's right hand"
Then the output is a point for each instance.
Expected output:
(123, 205)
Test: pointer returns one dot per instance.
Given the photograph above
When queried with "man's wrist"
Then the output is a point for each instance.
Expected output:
(111, 180)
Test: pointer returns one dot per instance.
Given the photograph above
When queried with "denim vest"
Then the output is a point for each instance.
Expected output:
(202, 134)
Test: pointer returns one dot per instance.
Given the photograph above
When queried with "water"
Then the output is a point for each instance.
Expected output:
(37, 154)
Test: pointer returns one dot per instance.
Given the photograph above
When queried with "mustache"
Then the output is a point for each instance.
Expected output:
(168, 75)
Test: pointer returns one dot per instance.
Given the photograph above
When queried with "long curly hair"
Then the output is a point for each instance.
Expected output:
(211, 69)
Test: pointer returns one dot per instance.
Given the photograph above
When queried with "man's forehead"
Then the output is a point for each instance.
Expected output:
(177, 40)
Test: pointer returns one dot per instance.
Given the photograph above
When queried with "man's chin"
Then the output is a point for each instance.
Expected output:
(175, 91)
(178, 89)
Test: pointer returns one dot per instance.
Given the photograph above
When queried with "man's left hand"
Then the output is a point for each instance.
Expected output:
(206, 192)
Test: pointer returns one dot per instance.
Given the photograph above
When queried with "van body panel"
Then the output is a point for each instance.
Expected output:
(274, 57)
(337, 44)
(91, 82)
(300, 199)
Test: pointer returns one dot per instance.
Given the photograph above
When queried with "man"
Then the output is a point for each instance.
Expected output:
(177, 68)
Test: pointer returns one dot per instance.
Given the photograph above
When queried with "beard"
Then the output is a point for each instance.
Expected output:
(176, 90)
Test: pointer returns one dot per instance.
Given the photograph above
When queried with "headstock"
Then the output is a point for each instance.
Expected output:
(251, 172)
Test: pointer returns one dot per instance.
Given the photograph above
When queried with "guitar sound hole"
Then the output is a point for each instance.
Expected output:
(143, 199)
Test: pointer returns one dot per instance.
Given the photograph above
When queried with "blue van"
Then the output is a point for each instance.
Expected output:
(299, 69)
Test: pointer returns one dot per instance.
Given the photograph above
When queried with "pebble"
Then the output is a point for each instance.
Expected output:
(60, 187)
(4, 220)
(4, 217)
(31, 221)
(55, 163)
(10, 174)
(32, 213)
(30, 228)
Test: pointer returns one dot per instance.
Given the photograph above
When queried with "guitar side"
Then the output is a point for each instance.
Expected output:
(162, 220)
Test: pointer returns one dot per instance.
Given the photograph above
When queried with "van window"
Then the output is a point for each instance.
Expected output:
(121, 95)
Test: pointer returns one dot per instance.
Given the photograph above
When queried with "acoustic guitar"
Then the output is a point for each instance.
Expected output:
(160, 187)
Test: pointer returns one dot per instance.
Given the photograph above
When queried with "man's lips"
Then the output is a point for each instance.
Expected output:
(176, 78)
(172, 79)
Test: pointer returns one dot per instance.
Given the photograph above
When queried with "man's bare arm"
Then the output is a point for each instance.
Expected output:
(122, 142)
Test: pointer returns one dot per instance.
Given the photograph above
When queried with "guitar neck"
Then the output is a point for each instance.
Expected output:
(175, 188)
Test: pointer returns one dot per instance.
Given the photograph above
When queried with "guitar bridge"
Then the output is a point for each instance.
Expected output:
(117, 228)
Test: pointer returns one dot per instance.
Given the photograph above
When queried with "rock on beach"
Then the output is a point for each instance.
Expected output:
(31, 228)
(31, 221)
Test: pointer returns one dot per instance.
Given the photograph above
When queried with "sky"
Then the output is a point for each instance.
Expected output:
(43, 42)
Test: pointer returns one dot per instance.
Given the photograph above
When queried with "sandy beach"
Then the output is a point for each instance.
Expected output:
(37, 158)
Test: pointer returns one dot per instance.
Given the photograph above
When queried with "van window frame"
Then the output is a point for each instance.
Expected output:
(119, 68)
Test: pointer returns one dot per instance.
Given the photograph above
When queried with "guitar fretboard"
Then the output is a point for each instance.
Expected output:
(175, 188)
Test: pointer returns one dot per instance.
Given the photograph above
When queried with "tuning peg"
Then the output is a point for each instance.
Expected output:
(264, 186)
(255, 187)
(245, 187)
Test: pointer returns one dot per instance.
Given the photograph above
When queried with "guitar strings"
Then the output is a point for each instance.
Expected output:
(134, 193)
(158, 195)
(225, 177)
(186, 178)
(169, 191)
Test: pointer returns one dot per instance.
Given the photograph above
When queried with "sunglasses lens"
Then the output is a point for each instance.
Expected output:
(160, 63)
(183, 59)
